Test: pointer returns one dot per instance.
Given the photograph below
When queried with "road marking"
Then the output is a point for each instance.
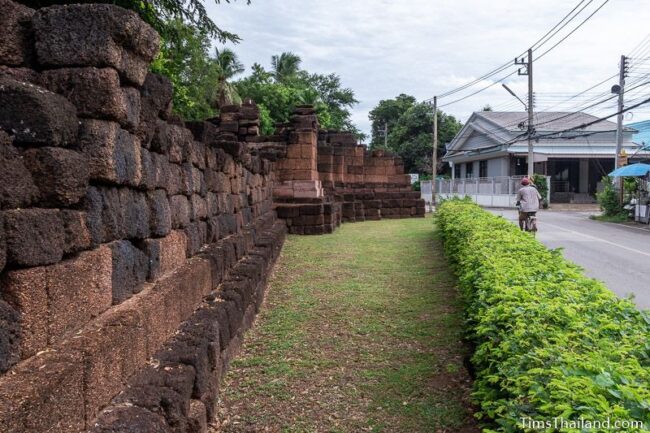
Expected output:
(546, 224)
(628, 227)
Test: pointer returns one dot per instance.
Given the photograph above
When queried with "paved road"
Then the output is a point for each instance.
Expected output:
(613, 253)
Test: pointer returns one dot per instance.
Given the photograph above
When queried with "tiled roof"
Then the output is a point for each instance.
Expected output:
(546, 121)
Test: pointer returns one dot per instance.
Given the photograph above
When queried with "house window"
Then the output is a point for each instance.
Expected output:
(469, 169)
(482, 169)
(456, 171)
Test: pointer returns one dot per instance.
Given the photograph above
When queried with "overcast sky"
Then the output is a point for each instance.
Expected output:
(382, 48)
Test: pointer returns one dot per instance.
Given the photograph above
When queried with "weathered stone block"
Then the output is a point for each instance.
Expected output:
(34, 236)
(166, 254)
(117, 213)
(194, 153)
(227, 224)
(155, 103)
(114, 155)
(35, 115)
(136, 213)
(26, 291)
(199, 207)
(103, 216)
(129, 419)
(160, 217)
(131, 97)
(77, 235)
(216, 181)
(9, 336)
(78, 290)
(95, 35)
(61, 175)
(114, 348)
(180, 211)
(3, 244)
(156, 96)
(96, 93)
(197, 235)
(164, 389)
(148, 178)
(193, 180)
(15, 33)
(198, 417)
(174, 179)
(43, 395)
(130, 270)
(20, 74)
(17, 188)
(171, 140)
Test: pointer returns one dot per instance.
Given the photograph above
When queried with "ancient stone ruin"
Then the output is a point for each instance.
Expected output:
(135, 247)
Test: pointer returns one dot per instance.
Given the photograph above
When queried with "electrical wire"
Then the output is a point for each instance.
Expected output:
(538, 44)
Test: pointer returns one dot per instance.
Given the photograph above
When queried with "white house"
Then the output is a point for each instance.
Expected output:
(495, 144)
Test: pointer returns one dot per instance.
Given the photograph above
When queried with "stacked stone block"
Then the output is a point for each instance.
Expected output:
(311, 218)
(117, 221)
(298, 175)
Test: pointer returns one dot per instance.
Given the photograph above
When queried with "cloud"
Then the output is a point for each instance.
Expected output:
(382, 48)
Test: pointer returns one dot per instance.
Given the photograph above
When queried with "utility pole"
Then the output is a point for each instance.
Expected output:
(529, 72)
(619, 118)
(386, 135)
(619, 122)
(434, 158)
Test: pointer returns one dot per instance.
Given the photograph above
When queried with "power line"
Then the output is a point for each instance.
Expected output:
(573, 31)
(587, 124)
(538, 44)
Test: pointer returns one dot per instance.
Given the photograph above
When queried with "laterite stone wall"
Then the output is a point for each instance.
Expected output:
(135, 247)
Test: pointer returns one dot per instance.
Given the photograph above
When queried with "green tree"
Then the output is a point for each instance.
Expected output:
(278, 92)
(285, 66)
(339, 100)
(410, 131)
(199, 81)
(228, 66)
(387, 113)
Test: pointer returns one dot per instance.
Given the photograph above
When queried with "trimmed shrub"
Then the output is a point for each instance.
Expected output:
(608, 199)
(551, 345)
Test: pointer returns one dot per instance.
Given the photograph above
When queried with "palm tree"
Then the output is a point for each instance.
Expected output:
(285, 66)
(228, 65)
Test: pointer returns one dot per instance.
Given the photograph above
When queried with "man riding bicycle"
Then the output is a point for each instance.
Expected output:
(527, 201)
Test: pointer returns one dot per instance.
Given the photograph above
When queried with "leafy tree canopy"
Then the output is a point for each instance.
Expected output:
(410, 131)
(386, 114)
(286, 85)
(201, 81)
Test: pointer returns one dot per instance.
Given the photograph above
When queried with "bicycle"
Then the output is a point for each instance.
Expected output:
(530, 225)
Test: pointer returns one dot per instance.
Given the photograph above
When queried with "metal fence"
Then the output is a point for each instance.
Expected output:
(497, 191)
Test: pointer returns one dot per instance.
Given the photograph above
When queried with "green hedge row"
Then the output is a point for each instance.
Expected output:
(551, 344)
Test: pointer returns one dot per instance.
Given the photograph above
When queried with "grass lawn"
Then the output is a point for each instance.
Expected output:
(360, 332)
(611, 218)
